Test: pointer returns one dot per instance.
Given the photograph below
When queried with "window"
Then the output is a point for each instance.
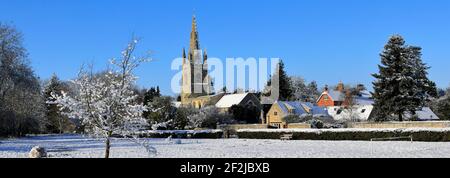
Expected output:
(325, 97)
(339, 112)
(363, 111)
(275, 113)
(291, 111)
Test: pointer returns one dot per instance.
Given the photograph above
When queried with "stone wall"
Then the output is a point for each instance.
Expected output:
(299, 126)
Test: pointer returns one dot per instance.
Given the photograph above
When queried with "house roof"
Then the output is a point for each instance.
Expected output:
(335, 95)
(425, 114)
(364, 101)
(301, 108)
(229, 100)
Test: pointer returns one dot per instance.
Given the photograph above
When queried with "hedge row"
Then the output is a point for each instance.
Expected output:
(184, 134)
(360, 135)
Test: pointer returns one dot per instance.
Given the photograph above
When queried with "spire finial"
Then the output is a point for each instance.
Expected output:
(195, 45)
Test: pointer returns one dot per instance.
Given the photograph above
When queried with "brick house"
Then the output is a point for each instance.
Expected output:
(332, 97)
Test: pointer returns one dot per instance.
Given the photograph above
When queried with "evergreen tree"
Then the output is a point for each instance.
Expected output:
(425, 88)
(401, 84)
(56, 122)
(149, 97)
(285, 85)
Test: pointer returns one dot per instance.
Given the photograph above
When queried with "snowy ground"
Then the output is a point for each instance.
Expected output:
(74, 146)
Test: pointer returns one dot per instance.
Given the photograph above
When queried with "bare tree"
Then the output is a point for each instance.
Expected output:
(21, 103)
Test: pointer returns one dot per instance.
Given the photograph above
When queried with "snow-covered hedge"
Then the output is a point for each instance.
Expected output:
(418, 134)
(182, 134)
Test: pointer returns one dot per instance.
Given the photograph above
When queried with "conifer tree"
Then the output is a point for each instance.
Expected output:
(149, 97)
(55, 120)
(402, 84)
(285, 85)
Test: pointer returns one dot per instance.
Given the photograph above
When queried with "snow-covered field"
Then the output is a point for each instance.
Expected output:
(75, 146)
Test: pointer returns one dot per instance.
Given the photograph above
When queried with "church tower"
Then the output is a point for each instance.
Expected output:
(196, 81)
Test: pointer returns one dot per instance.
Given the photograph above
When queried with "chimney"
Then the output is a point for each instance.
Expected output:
(340, 87)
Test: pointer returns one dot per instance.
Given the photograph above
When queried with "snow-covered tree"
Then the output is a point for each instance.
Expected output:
(106, 105)
(441, 106)
(163, 117)
(303, 92)
(208, 117)
(401, 85)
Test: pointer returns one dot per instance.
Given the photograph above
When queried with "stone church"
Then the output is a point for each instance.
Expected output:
(197, 88)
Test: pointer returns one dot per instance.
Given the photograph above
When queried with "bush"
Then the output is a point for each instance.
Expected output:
(183, 134)
(317, 124)
(294, 119)
(247, 114)
(208, 117)
(431, 135)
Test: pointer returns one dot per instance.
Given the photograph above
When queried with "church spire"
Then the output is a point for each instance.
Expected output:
(195, 44)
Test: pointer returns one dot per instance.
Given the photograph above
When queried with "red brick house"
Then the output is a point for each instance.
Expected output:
(332, 97)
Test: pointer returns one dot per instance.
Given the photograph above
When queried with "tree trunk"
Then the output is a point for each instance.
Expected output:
(108, 145)
(400, 117)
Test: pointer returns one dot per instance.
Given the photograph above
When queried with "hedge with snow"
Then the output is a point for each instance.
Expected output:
(417, 134)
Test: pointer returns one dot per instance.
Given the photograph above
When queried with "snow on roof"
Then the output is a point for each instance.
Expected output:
(301, 108)
(336, 95)
(366, 94)
(425, 114)
(229, 100)
(293, 106)
(364, 101)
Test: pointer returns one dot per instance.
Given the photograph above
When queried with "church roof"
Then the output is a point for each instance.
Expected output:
(229, 100)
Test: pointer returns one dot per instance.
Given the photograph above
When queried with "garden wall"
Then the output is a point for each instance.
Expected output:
(347, 134)
(299, 126)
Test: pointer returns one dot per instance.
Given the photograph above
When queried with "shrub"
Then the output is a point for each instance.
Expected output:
(431, 135)
(183, 134)
(315, 123)
(294, 119)
(208, 117)
(247, 114)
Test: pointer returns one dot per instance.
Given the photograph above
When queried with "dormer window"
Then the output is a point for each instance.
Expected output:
(363, 110)
(291, 111)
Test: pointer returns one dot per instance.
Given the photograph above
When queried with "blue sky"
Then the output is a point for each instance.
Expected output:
(326, 41)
